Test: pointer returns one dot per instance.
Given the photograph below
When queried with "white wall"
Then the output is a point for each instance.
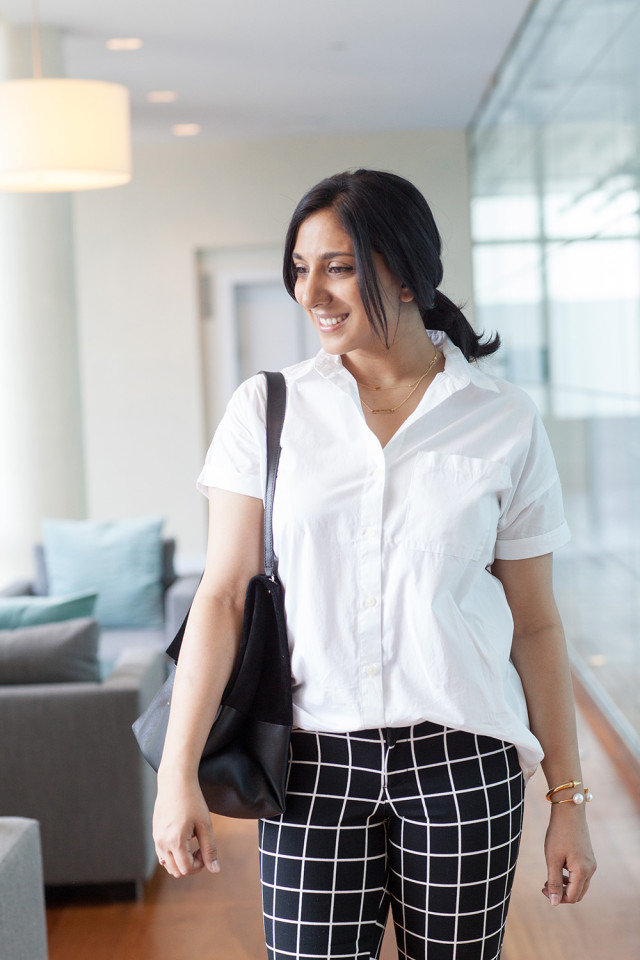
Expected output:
(41, 456)
(137, 297)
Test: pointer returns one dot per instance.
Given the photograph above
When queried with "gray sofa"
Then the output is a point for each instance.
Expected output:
(23, 930)
(68, 757)
(69, 760)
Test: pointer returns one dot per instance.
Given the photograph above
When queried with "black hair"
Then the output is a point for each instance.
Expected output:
(386, 214)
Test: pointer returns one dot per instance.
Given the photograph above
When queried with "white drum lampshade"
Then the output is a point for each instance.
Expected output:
(63, 134)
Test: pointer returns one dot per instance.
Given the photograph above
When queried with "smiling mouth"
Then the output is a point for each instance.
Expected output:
(328, 323)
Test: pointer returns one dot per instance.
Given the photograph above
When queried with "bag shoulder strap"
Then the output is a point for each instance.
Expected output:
(276, 407)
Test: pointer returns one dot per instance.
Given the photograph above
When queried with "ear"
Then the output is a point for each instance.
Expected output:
(405, 294)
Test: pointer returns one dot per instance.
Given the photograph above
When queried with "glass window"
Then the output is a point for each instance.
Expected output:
(556, 229)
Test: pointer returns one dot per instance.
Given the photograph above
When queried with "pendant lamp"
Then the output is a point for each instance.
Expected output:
(63, 134)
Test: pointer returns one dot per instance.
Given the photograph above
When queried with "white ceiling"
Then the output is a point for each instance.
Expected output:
(246, 68)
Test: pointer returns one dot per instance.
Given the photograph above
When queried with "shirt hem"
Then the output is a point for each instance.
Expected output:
(532, 546)
(529, 750)
(249, 486)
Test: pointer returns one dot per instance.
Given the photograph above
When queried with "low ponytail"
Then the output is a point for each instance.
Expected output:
(446, 316)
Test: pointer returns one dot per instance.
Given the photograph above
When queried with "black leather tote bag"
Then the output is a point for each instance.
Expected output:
(244, 764)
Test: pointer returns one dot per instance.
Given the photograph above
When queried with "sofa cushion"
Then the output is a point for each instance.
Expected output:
(65, 652)
(121, 560)
(30, 611)
(40, 584)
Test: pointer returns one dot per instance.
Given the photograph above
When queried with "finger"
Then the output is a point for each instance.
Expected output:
(196, 854)
(574, 889)
(584, 890)
(547, 892)
(554, 887)
(169, 865)
(208, 851)
(184, 858)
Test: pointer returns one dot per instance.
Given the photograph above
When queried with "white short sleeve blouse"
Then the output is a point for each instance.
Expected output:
(393, 616)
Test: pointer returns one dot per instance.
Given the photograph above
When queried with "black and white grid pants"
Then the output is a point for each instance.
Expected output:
(423, 818)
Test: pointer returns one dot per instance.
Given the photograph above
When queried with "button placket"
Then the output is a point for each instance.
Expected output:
(369, 580)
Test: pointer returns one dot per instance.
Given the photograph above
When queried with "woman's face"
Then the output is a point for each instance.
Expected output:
(327, 285)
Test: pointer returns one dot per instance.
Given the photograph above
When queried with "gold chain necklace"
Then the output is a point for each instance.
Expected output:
(414, 387)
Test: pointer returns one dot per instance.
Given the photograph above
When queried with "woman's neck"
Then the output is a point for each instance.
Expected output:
(406, 359)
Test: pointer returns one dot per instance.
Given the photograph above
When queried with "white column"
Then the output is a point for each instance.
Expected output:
(41, 459)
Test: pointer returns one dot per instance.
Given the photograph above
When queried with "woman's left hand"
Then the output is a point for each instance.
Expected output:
(569, 856)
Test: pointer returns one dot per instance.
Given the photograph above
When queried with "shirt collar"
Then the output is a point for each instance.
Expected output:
(456, 368)
(461, 371)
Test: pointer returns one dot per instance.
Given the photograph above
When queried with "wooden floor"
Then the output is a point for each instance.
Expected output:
(218, 917)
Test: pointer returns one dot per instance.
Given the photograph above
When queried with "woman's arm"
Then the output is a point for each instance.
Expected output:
(181, 824)
(539, 654)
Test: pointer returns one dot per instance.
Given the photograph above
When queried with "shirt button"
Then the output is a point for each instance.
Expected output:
(370, 602)
(370, 532)
(371, 670)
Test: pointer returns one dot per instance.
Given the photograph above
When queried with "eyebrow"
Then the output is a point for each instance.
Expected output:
(327, 256)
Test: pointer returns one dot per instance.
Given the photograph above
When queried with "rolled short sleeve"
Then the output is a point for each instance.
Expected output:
(236, 458)
(532, 520)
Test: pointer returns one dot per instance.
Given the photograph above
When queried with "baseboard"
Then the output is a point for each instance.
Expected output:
(62, 895)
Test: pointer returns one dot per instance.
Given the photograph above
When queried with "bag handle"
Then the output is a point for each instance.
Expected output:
(276, 407)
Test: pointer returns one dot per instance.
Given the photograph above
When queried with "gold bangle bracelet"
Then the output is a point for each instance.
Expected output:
(577, 798)
(563, 786)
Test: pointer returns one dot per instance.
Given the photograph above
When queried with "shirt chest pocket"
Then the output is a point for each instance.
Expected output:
(454, 505)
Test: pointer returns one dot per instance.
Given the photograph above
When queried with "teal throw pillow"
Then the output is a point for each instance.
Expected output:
(30, 611)
(120, 560)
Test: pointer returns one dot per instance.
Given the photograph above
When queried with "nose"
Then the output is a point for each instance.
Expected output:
(314, 291)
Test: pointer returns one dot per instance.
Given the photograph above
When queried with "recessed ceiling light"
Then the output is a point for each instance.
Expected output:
(162, 96)
(186, 129)
(124, 43)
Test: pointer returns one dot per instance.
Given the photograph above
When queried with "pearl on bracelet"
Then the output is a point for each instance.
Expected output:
(585, 797)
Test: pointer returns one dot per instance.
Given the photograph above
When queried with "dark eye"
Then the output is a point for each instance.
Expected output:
(340, 268)
(299, 270)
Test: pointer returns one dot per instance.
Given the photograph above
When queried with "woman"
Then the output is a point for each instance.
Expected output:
(417, 506)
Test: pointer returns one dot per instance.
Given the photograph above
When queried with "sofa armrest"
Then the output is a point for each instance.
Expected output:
(70, 760)
(140, 668)
(22, 911)
(18, 588)
(177, 601)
